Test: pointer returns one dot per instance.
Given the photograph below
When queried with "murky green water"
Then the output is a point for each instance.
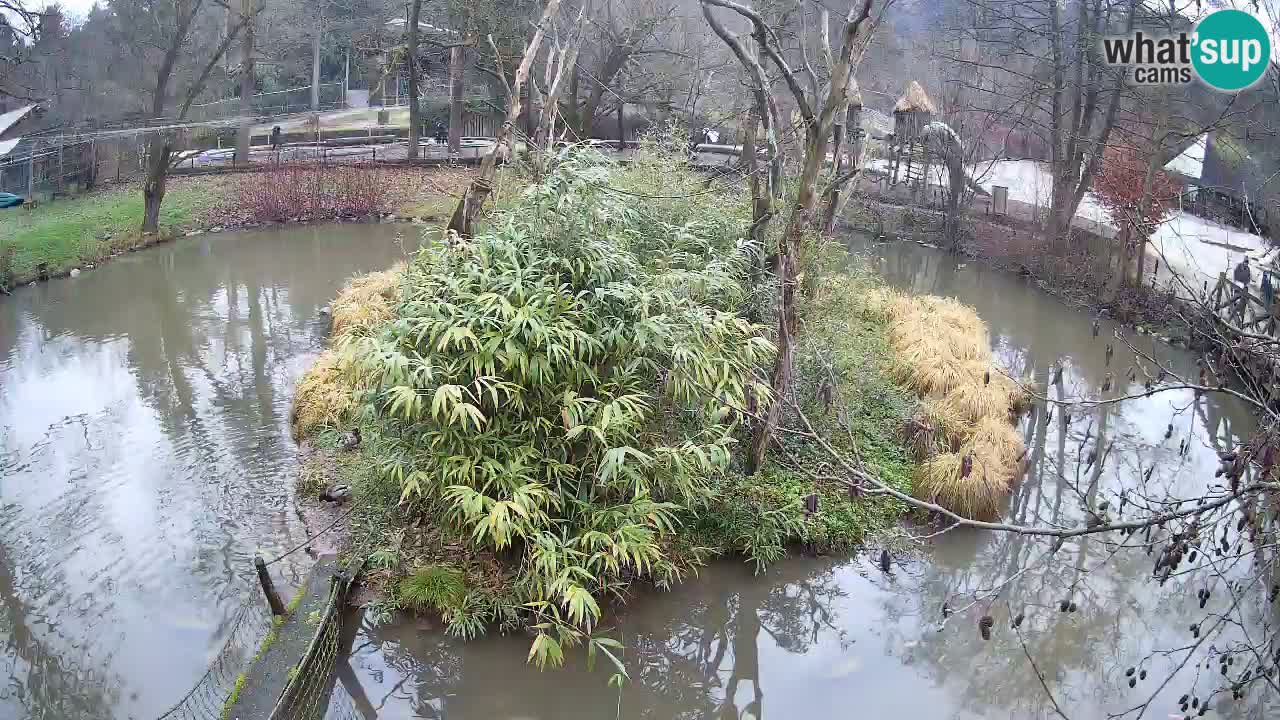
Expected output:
(834, 637)
(145, 456)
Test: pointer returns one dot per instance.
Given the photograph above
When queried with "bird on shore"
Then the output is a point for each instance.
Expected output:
(884, 560)
(350, 440)
(336, 494)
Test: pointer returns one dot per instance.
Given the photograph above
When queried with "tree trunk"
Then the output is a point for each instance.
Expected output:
(153, 188)
(456, 56)
(462, 223)
(832, 200)
(856, 139)
(1155, 160)
(787, 261)
(415, 122)
(246, 87)
(315, 61)
(554, 79)
(622, 126)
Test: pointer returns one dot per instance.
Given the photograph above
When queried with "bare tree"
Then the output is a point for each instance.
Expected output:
(248, 80)
(462, 222)
(818, 108)
(19, 36)
(1072, 99)
(179, 45)
(563, 56)
(411, 64)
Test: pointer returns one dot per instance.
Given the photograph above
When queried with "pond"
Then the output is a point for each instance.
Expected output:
(145, 457)
(836, 637)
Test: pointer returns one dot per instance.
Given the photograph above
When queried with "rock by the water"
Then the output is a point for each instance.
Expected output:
(75, 272)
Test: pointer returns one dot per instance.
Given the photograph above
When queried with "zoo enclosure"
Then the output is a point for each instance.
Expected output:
(279, 102)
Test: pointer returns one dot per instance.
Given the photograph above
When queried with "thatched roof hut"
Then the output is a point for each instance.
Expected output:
(914, 99)
(912, 112)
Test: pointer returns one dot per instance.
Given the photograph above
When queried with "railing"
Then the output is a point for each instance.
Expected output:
(278, 102)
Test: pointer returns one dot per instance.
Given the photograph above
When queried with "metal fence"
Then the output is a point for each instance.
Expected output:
(279, 102)
(207, 699)
(309, 694)
(48, 166)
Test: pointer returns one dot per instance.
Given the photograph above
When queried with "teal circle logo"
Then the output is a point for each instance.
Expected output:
(1232, 50)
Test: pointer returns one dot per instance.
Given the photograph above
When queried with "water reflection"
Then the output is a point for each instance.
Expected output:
(145, 456)
(833, 637)
(731, 645)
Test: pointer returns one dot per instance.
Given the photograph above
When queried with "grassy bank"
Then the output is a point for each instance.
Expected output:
(72, 232)
(561, 406)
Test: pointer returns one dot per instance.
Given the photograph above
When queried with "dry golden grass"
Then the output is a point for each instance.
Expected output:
(953, 429)
(366, 301)
(996, 440)
(980, 494)
(973, 400)
(323, 396)
(943, 354)
(921, 436)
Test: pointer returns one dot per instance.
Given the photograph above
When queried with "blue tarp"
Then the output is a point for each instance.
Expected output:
(8, 200)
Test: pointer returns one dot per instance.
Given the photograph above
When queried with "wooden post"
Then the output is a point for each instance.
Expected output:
(31, 174)
(622, 127)
(268, 587)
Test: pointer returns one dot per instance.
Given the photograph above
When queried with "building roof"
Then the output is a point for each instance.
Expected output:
(422, 25)
(914, 99)
(13, 117)
(1190, 162)
(8, 145)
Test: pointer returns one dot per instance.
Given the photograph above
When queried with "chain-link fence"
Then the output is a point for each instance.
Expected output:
(279, 102)
(309, 693)
(50, 166)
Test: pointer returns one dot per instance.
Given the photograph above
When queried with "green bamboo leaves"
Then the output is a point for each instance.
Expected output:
(565, 385)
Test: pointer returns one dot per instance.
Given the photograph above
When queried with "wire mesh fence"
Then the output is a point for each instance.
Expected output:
(309, 693)
(206, 699)
(45, 167)
(278, 102)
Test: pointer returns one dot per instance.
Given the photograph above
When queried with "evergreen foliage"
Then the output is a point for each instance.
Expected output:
(564, 387)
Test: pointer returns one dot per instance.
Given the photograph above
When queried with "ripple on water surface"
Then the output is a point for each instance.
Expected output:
(145, 457)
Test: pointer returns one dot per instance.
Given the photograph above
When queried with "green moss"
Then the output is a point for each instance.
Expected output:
(267, 641)
(294, 602)
(758, 516)
(234, 697)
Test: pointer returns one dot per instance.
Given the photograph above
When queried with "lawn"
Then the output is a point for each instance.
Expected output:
(71, 232)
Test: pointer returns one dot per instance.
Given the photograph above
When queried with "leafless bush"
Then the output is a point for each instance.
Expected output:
(309, 192)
